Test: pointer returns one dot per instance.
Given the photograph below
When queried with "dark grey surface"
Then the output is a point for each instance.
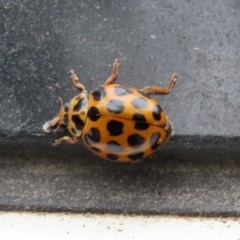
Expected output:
(42, 40)
(173, 181)
(196, 173)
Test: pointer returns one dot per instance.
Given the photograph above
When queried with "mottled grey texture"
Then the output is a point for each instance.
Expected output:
(70, 179)
(40, 41)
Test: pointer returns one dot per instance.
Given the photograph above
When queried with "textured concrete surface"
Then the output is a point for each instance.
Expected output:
(197, 172)
(69, 179)
(42, 40)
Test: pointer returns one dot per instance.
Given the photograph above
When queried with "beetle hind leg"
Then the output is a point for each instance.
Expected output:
(166, 133)
(170, 129)
(149, 90)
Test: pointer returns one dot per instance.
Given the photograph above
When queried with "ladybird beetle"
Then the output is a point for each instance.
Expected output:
(116, 122)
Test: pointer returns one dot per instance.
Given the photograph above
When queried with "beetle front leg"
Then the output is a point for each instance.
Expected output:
(67, 139)
(76, 81)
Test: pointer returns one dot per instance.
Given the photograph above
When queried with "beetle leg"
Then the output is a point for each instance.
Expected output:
(112, 78)
(67, 139)
(166, 133)
(159, 90)
(170, 128)
(76, 81)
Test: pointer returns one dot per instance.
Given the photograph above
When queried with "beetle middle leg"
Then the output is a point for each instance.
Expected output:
(67, 139)
(112, 78)
(167, 132)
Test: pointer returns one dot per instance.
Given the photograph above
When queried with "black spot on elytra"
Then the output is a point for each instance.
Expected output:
(140, 103)
(93, 114)
(112, 157)
(95, 149)
(140, 123)
(121, 91)
(78, 122)
(115, 128)
(99, 93)
(93, 136)
(80, 104)
(154, 140)
(135, 140)
(157, 112)
(136, 156)
(114, 146)
(139, 117)
(141, 126)
(115, 106)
